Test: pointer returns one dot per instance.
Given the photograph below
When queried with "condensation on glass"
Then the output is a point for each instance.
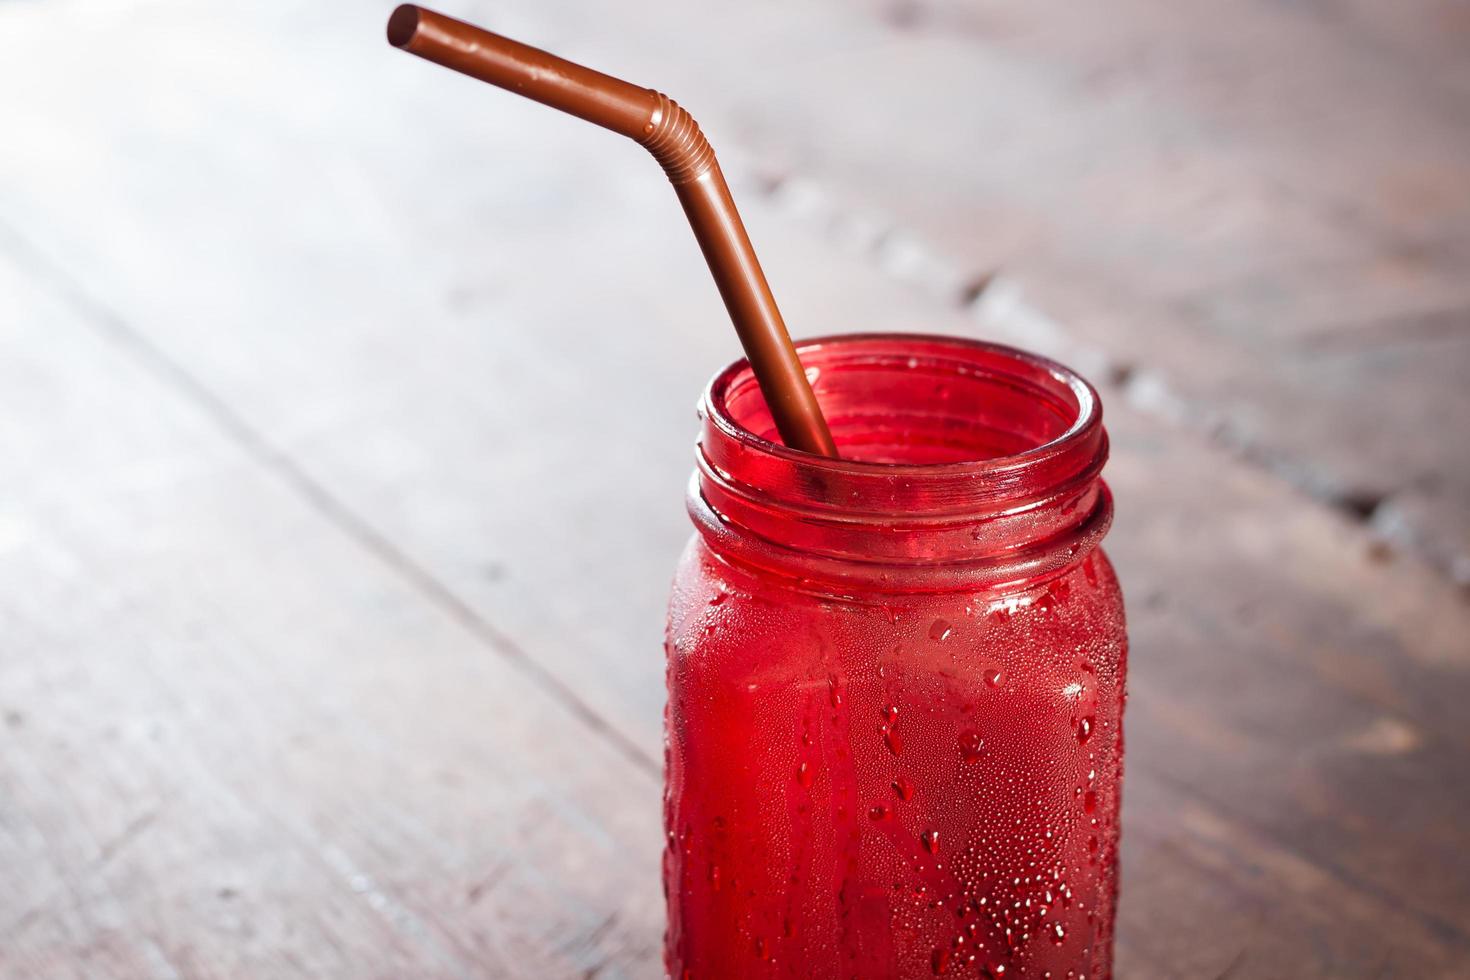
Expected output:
(896, 679)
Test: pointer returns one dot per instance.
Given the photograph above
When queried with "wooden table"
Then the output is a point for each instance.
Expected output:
(345, 410)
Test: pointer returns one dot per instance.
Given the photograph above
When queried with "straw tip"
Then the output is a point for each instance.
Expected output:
(403, 24)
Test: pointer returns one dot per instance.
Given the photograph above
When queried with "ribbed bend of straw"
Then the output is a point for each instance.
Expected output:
(675, 140)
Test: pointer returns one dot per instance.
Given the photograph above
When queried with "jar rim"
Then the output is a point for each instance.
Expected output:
(1025, 513)
(715, 408)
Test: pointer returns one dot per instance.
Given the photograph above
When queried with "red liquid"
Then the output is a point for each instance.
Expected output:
(894, 749)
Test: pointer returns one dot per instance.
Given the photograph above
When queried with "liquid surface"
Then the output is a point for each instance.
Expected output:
(907, 789)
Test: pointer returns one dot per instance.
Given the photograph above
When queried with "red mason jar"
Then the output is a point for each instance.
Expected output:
(896, 679)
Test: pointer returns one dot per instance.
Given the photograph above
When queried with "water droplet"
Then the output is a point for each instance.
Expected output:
(939, 961)
(833, 693)
(1089, 801)
(804, 774)
(1084, 728)
(995, 971)
(878, 813)
(760, 949)
(1058, 934)
(940, 630)
(892, 739)
(903, 789)
(970, 744)
(930, 840)
(718, 598)
(890, 713)
(993, 677)
(714, 877)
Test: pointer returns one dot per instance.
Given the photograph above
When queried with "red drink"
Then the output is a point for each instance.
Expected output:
(896, 679)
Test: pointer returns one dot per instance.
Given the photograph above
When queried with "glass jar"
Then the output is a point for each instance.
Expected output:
(896, 679)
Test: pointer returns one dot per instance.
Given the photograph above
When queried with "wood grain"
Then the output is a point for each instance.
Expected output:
(239, 741)
(1263, 204)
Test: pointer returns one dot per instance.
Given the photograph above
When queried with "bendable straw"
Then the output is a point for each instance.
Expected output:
(674, 139)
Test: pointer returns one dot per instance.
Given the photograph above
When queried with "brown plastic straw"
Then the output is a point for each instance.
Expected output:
(674, 139)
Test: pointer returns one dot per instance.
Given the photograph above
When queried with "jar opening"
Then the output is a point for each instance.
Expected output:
(919, 400)
(959, 458)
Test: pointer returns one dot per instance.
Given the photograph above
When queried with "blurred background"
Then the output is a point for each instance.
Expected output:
(346, 408)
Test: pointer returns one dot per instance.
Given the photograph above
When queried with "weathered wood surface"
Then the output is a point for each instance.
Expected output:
(1260, 207)
(346, 410)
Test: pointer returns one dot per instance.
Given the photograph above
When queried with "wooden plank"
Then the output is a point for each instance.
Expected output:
(1205, 194)
(1222, 900)
(1306, 707)
(238, 741)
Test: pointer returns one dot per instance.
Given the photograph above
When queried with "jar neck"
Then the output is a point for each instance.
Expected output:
(964, 466)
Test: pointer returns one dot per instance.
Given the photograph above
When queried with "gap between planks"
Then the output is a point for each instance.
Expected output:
(234, 427)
